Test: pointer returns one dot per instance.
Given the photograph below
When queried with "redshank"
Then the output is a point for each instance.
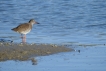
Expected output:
(24, 28)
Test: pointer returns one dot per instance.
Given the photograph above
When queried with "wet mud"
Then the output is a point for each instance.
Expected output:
(11, 51)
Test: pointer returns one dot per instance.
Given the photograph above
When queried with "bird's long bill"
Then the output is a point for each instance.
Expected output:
(37, 23)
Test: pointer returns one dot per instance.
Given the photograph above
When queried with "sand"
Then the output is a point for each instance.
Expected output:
(12, 51)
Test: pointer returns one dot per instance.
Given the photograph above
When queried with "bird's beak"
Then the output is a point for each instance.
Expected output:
(37, 23)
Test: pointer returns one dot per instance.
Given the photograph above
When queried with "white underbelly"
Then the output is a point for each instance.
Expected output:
(25, 32)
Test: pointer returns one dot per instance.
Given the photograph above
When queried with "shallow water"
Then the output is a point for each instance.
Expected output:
(65, 21)
(89, 59)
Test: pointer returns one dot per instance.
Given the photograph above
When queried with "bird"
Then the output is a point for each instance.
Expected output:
(25, 28)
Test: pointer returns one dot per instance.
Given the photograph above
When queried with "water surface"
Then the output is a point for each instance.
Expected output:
(89, 59)
(65, 21)
(80, 23)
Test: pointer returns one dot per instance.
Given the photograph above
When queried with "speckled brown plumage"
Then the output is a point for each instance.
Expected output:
(22, 28)
(25, 27)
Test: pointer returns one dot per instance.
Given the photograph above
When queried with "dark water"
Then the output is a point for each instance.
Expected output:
(65, 21)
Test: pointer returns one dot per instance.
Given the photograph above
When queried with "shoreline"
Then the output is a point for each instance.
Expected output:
(22, 52)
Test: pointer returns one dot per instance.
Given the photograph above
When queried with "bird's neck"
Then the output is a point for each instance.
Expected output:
(31, 24)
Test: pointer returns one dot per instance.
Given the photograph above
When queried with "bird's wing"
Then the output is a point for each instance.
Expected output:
(21, 27)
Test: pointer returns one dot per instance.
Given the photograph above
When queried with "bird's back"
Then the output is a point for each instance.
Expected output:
(23, 28)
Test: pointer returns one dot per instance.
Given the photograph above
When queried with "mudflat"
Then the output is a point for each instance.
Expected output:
(11, 51)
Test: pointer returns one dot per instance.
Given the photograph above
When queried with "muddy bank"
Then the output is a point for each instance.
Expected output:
(10, 51)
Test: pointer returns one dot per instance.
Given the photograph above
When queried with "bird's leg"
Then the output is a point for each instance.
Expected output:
(24, 38)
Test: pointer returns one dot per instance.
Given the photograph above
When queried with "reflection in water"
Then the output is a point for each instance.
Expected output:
(34, 61)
